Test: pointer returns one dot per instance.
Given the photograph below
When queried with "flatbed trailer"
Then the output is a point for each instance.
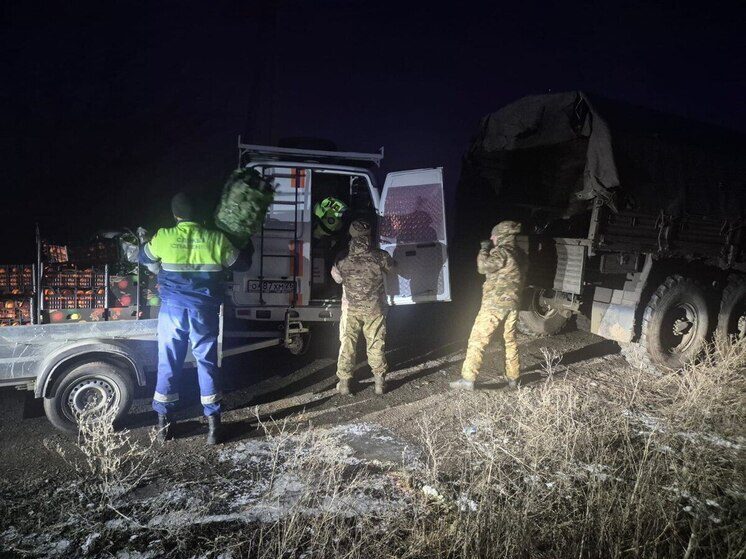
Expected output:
(76, 366)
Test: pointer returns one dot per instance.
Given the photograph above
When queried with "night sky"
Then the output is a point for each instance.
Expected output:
(109, 110)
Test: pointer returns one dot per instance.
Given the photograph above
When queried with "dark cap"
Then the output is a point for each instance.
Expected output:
(181, 206)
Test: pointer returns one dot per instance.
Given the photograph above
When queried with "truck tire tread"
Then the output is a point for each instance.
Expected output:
(672, 282)
(734, 291)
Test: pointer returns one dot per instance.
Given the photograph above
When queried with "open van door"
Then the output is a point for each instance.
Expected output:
(412, 229)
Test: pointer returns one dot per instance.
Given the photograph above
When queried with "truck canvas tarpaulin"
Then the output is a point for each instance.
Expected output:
(561, 150)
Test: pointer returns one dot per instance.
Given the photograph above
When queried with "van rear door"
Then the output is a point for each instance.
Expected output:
(412, 229)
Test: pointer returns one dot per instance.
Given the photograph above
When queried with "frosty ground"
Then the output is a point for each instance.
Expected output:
(591, 457)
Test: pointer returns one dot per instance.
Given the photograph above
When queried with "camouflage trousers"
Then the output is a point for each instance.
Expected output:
(373, 327)
(486, 324)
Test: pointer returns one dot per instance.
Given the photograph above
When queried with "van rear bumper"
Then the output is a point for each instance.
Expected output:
(325, 313)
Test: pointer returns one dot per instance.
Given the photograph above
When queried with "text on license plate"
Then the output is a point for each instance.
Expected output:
(270, 286)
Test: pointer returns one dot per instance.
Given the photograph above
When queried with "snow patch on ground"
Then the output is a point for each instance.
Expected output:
(655, 425)
(349, 470)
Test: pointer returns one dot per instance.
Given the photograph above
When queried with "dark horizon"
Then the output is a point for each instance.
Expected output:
(120, 109)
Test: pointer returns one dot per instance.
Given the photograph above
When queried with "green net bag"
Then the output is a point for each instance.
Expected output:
(243, 205)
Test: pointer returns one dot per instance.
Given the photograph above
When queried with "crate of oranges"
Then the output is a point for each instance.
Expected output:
(16, 279)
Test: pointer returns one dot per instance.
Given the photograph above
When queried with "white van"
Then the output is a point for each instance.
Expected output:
(289, 279)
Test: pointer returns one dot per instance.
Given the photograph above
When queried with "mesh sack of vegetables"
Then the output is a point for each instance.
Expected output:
(243, 205)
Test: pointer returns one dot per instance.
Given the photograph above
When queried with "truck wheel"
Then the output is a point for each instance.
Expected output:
(732, 315)
(540, 318)
(96, 385)
(676, 323)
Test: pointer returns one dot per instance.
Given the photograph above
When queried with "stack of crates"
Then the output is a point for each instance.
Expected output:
(16, 292)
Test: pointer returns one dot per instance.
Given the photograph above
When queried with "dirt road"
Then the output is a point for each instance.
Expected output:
(577, 441)
(426, 349)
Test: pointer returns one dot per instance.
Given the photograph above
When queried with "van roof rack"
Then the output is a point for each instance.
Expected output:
(274, 152)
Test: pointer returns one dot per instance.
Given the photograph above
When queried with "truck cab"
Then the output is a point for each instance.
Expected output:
(290, 273)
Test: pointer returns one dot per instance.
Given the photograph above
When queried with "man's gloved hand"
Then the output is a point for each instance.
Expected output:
(486, 245)
(153, 268)
(143, 235)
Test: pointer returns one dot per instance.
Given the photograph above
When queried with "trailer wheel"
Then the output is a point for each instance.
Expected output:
(676, 323)
(732, 315)
(96, 385)
(299, 343)
(540, 318)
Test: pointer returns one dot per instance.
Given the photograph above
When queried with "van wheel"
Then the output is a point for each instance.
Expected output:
(540, 318)
(97, 386)
(732, 315)
(676, 323)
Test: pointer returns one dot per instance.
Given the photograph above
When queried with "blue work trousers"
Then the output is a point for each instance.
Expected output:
(177, 326)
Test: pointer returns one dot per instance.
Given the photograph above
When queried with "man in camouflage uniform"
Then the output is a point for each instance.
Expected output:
(361, 272)
(500, 261)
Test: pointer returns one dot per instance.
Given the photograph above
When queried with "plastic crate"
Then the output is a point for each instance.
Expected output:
(58, 301)
(71, 277)
(16, 279)
(14, 312)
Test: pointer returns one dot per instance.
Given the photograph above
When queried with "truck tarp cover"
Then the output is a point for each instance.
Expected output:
(562, 150)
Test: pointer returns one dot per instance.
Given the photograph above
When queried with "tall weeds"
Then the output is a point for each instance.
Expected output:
(588, 463)
(632, 465)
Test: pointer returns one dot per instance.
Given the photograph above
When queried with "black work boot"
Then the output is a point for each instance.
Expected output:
(214, 430)
(164, 426)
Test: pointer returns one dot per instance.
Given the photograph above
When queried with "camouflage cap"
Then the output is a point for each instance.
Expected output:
(359, 228)
(506, 228)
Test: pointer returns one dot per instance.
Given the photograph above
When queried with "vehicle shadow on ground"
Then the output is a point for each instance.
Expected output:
(324, 378)
(599, 349)
(394, 382)
(536, 373)
(32, 406)
(297, 387)
(236, 430)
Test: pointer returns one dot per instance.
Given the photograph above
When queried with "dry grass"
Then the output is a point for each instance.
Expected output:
(109, 463)
(604, 463)
(617, 465)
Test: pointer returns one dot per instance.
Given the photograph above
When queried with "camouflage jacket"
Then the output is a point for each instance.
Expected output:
(361, 272)
(504, 268)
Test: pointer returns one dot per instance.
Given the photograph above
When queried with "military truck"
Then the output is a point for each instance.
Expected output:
(633, 219)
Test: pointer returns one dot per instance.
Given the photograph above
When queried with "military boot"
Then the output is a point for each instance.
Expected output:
(343, 387)
(380, 385)
(164, 426)
(214, 429)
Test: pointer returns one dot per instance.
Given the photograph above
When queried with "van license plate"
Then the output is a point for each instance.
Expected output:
(270, 286)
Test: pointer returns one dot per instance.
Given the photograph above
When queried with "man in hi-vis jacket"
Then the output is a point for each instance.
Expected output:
(191, 260)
